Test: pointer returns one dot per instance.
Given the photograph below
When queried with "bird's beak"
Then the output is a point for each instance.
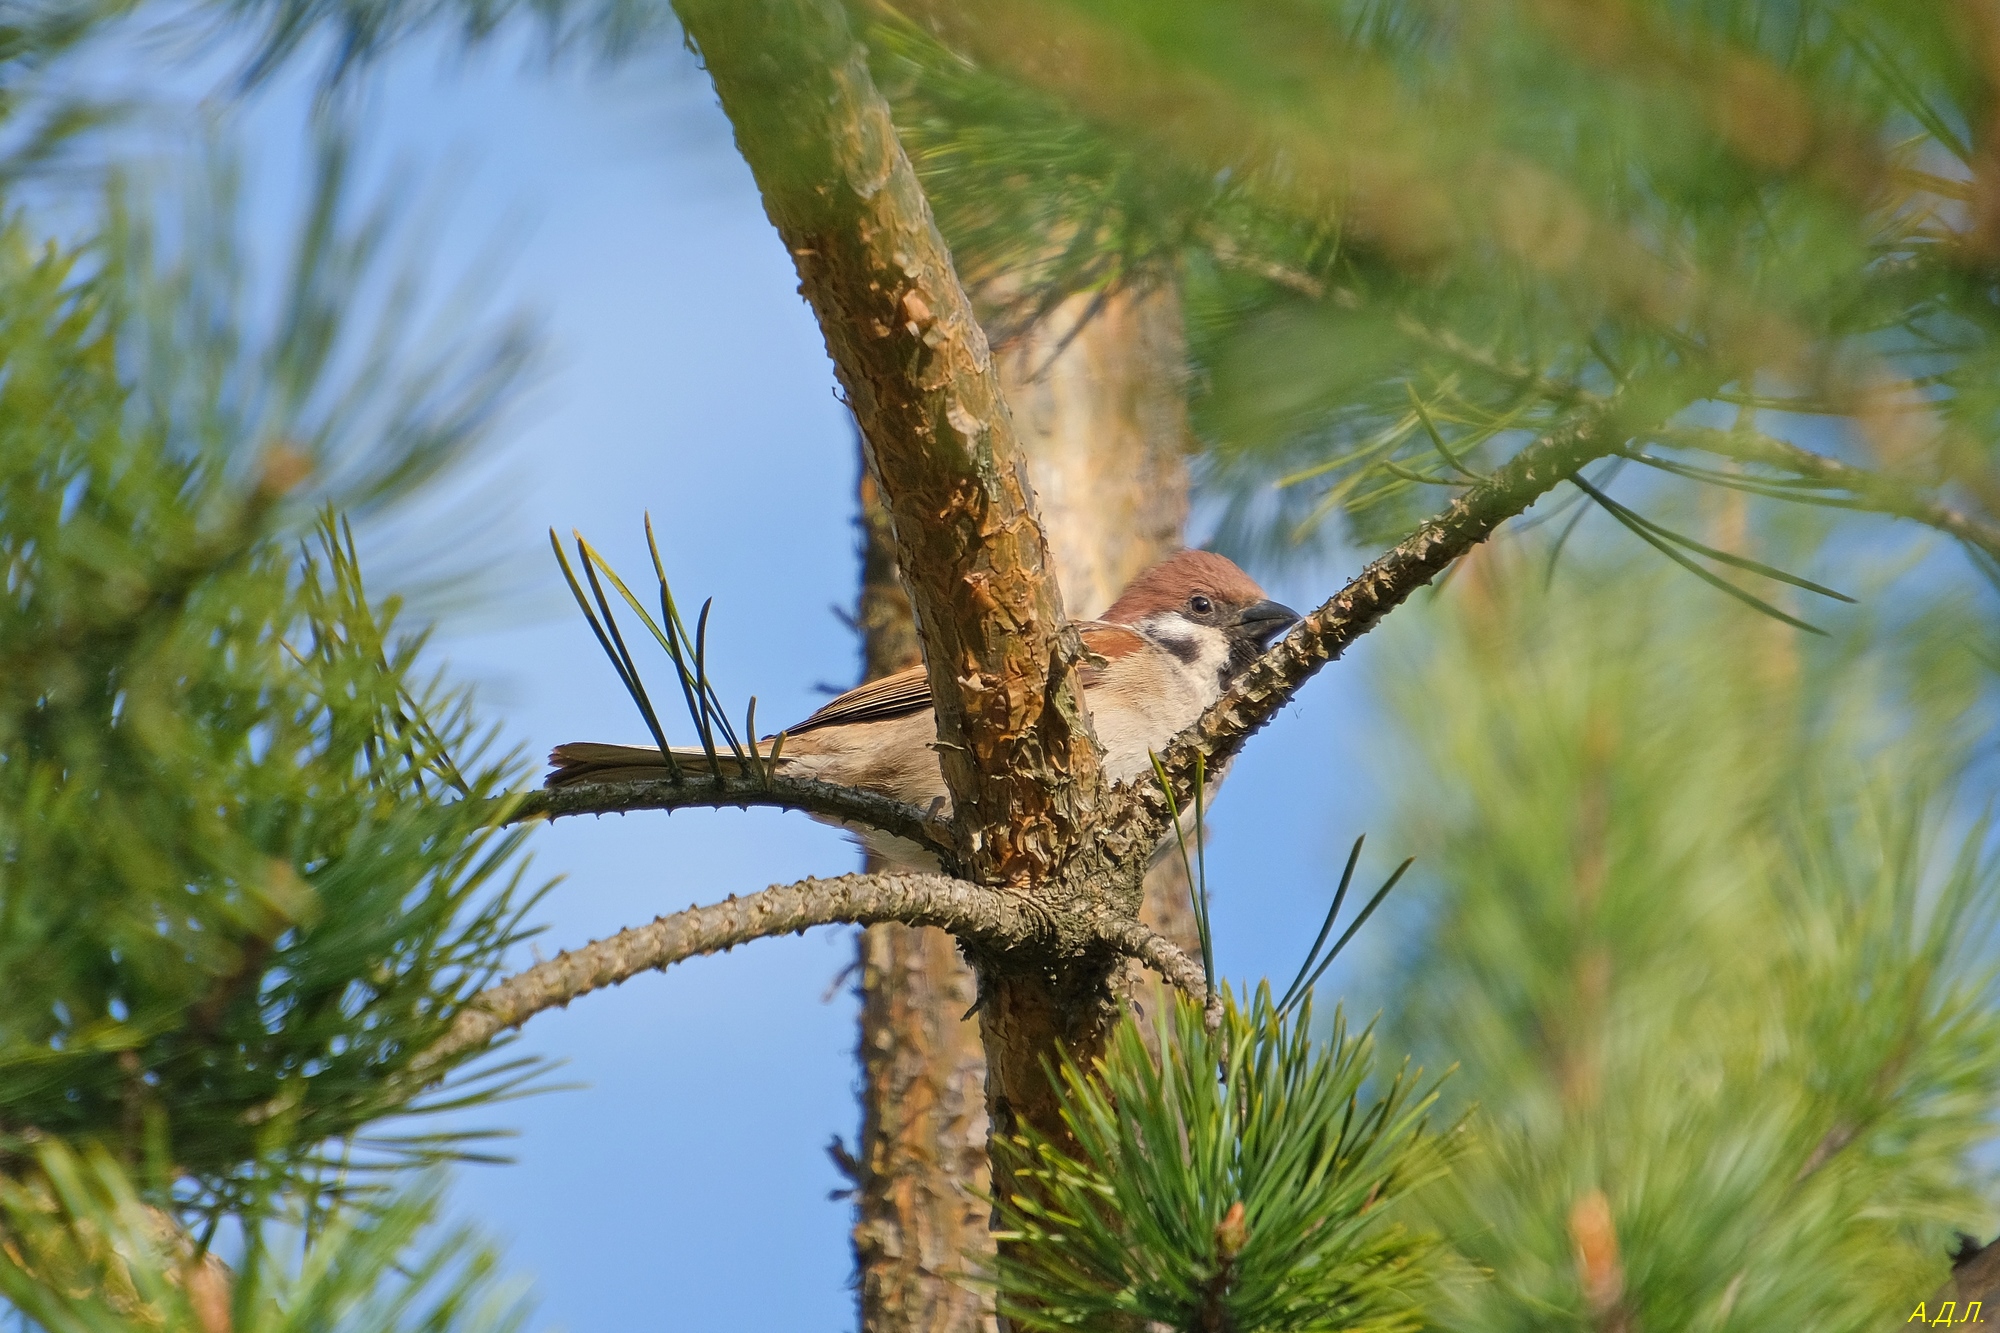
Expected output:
(1264, 621)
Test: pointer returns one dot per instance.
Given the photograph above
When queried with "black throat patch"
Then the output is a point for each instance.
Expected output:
(1187, 649)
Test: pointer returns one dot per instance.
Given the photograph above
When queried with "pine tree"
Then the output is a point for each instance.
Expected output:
(1721, 1009)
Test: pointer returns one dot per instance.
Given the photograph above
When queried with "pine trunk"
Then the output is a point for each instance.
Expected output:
(1104, 427)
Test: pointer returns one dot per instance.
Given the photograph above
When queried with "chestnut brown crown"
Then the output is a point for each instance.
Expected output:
(1174, 582)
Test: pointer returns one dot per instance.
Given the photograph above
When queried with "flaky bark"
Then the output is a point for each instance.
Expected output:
(920, 1215)
(1101, 414)
(1013, 739)
(1098, 389)
(1104, 428)
(988, 919)
(920, 1218)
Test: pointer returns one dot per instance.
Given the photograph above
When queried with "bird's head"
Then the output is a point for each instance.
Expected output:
(1203, 609)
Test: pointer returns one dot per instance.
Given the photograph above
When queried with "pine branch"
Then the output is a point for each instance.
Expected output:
(1385, 584)
(984, 918)
(1174, 964)
(1229, 111)
(698, 790)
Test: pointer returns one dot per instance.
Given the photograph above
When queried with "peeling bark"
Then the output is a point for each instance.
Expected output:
(920, 1221)
(1101, 412)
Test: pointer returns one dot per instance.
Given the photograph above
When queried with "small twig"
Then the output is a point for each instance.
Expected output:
(700, 790)
(1134, 939)
(1873, 491)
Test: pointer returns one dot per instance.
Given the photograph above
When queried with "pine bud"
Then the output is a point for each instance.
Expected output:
(1232, 1233)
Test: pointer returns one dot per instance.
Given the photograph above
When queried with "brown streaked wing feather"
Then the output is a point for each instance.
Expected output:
(894, 695)
(1106, 643)
(909, 691)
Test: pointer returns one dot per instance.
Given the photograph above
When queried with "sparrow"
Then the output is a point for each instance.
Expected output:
(1165, 650)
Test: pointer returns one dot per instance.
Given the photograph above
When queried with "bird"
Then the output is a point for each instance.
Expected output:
(1167, 648)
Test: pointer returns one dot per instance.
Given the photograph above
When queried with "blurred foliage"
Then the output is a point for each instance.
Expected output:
(1709, 931)
(1412, 235)
(1248, 1178)
(247, 861)
(250, 860)
(346, 354)
(86, 1255)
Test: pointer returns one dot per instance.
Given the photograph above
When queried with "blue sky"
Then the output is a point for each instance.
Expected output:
(683, 1184)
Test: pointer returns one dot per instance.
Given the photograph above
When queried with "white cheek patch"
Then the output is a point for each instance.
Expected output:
(1202, 648)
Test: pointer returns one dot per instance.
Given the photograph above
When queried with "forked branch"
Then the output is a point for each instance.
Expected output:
(1013, 742)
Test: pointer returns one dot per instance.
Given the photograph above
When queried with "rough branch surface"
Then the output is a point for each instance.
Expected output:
(694, 789)
(987, 919)
(1385, 584)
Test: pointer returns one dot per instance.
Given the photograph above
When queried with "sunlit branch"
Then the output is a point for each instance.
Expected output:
(1174, 964)
(908, 349)
(1385, 584)
(700, 790)
(988, 919)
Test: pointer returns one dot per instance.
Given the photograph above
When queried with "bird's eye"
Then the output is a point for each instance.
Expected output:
(1200, 605)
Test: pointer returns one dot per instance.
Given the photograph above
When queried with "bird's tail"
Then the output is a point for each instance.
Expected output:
(594, 761)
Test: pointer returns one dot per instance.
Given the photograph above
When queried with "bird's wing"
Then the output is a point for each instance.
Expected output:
(894, 695)
(1106, 643)
(909, 691)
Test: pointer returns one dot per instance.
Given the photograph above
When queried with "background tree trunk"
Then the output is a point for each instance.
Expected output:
(1104, 427)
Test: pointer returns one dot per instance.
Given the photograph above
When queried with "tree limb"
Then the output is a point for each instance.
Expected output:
(1137, 940)
(985, 918)
(1385, 584)
(932, 900)
(1012, 735)
(696, 789)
